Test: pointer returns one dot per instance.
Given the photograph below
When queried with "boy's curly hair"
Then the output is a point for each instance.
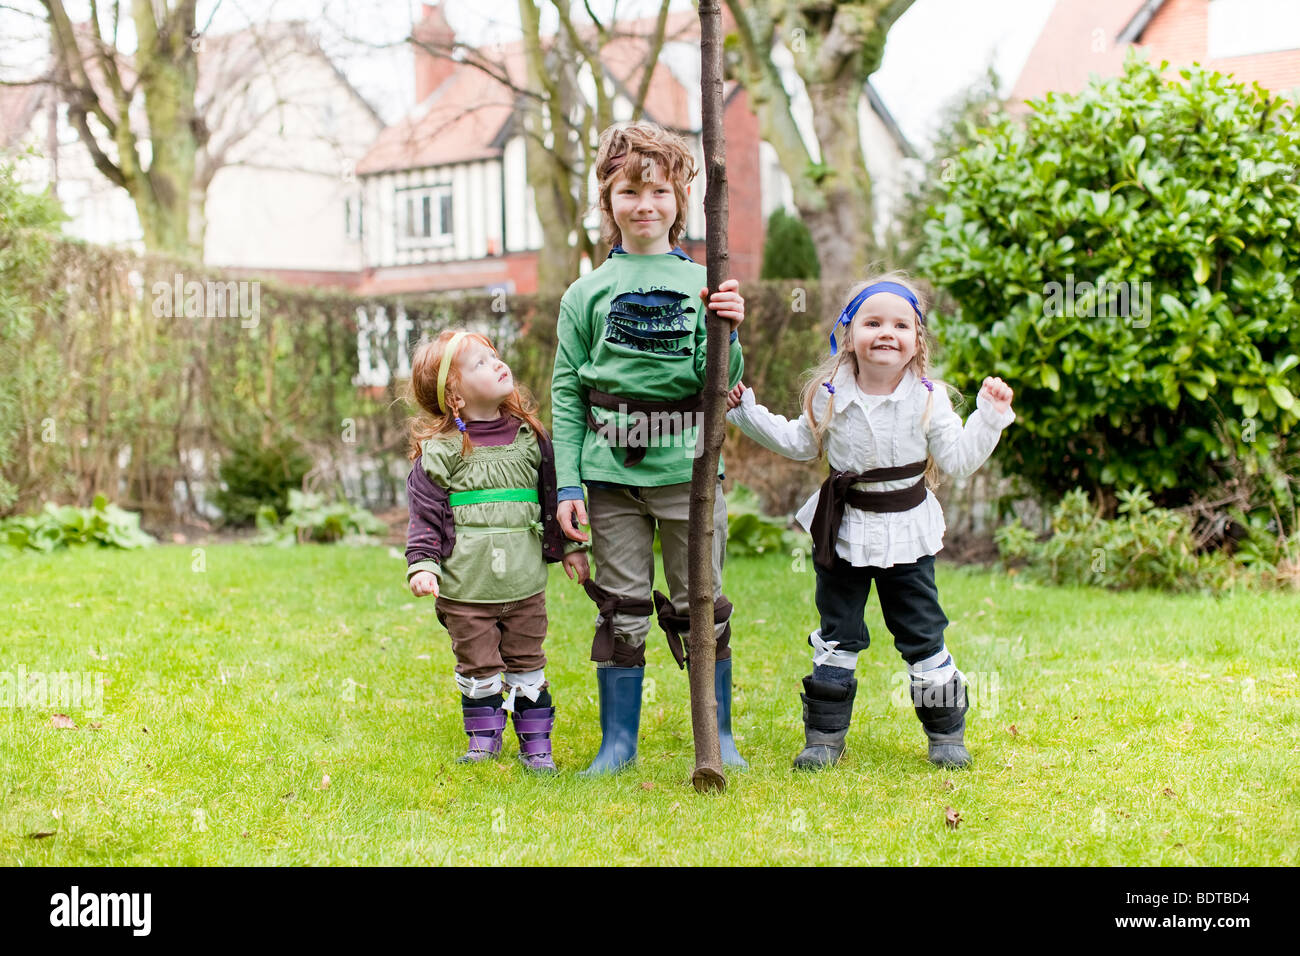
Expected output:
(645, 152)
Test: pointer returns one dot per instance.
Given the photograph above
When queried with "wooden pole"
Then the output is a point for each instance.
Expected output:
(708, 775)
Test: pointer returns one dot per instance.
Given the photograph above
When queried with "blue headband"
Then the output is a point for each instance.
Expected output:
(850, 310)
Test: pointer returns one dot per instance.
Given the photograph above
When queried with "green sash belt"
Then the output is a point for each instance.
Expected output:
(496, 494)
(536, 528)
(493, 494)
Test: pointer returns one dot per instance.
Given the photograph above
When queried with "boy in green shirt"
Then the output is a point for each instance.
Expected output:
(626, 404)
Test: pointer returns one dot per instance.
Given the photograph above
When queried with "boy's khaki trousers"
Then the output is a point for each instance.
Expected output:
(623, 521)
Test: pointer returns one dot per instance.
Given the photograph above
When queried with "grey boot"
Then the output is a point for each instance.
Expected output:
(942, 712)
(827, 712)
(949, 750)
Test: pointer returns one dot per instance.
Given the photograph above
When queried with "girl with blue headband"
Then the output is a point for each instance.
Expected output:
(483, 527)
(886, 430)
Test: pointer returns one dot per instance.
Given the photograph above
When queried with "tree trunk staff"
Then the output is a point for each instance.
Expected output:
(708, 774)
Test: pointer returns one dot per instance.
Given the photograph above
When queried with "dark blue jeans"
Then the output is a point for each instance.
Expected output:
(908, 599)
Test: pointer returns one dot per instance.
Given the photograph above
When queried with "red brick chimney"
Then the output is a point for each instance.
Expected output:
(432, 33)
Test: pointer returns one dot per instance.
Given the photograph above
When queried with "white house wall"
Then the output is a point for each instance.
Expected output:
(774, 184)
(886, 165)
(279, 202)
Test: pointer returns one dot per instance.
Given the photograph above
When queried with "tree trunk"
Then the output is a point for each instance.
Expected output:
(708, 774)
(548, 155)
(165, 56)
(166, 73)
(836, 47)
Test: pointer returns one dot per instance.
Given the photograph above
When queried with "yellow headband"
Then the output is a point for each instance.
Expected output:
(445, 366)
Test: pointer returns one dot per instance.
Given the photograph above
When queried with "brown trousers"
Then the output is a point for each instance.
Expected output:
(490, 638)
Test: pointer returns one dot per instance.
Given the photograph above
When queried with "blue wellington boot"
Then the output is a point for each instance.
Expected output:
(722, 694)
(620, 718)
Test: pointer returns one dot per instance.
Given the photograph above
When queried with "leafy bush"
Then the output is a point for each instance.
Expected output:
(255, 476)
(310, 518)
(57, 526)
(788, 250)
(1187, 187)
(27, 224)
(750, 532)
(1144, 547)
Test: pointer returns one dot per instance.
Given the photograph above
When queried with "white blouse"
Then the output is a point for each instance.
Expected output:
(882, 431)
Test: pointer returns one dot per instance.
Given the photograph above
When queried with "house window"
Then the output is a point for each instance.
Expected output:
(425, 215)
(1243, 27)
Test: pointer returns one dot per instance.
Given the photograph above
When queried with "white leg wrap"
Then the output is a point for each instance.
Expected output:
(529, 683)
(476, 688)
(828, 653)
(935, 671)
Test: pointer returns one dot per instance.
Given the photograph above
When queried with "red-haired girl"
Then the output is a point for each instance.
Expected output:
(482, 498)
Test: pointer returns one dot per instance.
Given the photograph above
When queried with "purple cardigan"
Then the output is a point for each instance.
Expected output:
(431, 534)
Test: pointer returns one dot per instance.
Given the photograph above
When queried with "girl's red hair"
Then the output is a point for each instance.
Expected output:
(432, 420)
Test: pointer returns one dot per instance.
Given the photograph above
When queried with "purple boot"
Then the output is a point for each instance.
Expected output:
(485, 726)
(534, 728)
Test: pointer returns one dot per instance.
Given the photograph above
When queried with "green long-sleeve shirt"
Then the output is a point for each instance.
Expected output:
(633, 327)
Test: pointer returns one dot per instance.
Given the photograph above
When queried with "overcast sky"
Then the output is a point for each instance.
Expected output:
(934, 52)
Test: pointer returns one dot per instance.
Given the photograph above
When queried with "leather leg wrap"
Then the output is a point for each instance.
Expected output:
(626, 655)
(676, 625)
(603, 646)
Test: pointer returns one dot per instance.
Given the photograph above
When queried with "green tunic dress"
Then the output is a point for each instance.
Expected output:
(497, 556)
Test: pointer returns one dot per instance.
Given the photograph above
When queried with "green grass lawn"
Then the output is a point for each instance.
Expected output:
(1106, 729)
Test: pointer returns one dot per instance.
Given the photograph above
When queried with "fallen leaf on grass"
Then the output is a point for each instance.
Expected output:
(949, 785)
(951, 817)
(41, 834)
(647, 785)
(63, 722)
(244, 834)
(1168, 793)
(325, 782)
(95, 725)
(1013, 731)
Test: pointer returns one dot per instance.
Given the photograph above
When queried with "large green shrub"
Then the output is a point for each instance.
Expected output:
(1186, 193)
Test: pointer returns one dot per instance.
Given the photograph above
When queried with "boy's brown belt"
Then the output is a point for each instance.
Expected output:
(657, 426)
(836, 492)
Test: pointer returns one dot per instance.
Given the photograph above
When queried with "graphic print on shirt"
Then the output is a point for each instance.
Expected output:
(657, 321)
